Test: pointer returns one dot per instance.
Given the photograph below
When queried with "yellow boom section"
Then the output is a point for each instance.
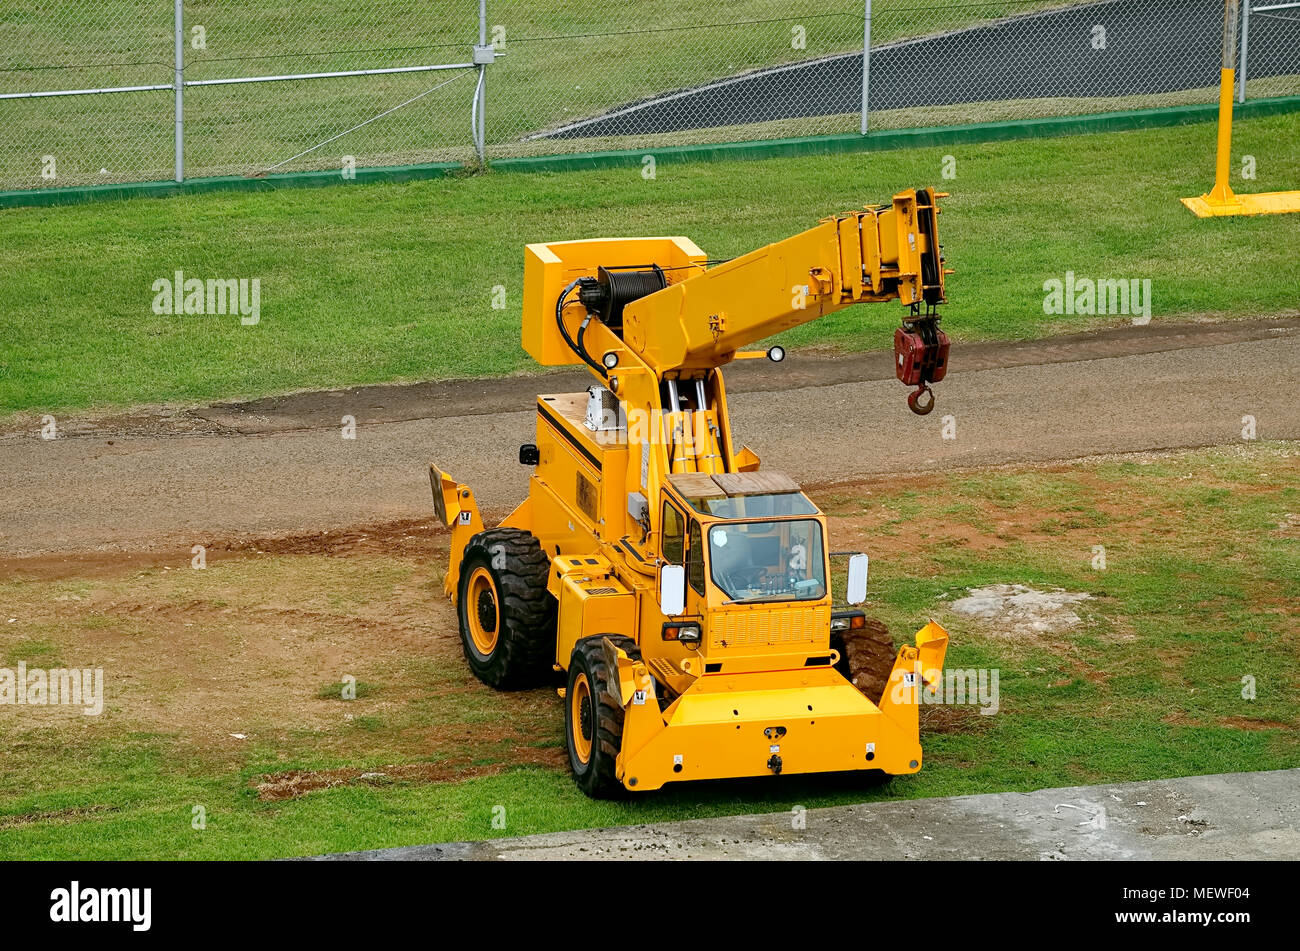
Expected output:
(704, 315)
(872, 255)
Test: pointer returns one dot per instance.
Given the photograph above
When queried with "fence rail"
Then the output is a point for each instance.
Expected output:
(109, 91)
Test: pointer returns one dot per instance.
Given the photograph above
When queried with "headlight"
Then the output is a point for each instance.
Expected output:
(848, 620)
(684, 633)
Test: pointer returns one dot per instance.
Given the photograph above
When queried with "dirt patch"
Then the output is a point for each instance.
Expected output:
(87, 565)
(1084, 670)
(418, 538)
(247, 657)
(937, 719)
(1250, 723)
(412, 537)
(1180, 718)
(1172, 663)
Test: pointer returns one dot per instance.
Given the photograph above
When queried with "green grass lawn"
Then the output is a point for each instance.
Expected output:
(1202, 575)
(374, 283)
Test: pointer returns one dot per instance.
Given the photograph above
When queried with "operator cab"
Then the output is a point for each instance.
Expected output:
(755, 535)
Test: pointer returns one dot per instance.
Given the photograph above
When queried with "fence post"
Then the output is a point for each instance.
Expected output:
(480, 133)
(1241, 67)
(866, 63)
(179, 82)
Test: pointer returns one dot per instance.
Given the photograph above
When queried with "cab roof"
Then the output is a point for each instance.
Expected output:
(701, 485)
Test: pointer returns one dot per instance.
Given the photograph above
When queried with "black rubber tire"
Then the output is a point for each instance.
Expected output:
(873, 778)
(879, 664)
(604, 717)
(841, 665)
(524, 653)
(867, 658)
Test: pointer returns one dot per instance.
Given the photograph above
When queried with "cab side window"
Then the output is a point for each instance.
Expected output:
(695, 559)
(674, 536)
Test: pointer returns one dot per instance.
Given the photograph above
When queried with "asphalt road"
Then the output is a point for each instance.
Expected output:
(1151, 46)
(1235, 816)
(281, 467)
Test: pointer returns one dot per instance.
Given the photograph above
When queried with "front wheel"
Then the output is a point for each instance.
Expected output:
(593, 720)
(867, 656)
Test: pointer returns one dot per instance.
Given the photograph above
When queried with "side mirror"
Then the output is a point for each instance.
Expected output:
(672, 590)
(857, 579)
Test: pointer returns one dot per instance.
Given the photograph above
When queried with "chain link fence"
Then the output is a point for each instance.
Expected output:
(52, 140)
(332, 85)
(89, 90)
(389, 53)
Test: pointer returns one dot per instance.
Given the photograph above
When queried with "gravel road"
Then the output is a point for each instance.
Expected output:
(279, 466)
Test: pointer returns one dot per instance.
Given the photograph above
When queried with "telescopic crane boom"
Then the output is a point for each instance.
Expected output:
(677, 315)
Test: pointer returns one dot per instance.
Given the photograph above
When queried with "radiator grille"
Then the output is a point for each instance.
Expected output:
(760, 628)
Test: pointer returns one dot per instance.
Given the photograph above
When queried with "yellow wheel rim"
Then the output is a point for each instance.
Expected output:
(483, 611)
(580, 715)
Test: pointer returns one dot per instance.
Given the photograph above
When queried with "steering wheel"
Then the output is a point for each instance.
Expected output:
(750, 576)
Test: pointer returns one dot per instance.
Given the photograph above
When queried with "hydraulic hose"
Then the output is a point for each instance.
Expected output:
(576, 346)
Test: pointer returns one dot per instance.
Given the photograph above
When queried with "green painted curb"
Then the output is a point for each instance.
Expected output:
(759, 149)
(195, 186)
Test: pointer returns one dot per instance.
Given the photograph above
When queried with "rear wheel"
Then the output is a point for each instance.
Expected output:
(593, 719)
(507, 617)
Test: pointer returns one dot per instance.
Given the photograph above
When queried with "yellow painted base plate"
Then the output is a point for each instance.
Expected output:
(1265, 203)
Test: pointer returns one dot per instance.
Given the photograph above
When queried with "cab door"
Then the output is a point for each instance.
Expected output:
(680, 543)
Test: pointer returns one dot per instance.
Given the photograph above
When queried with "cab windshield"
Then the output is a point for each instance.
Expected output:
(763, 561)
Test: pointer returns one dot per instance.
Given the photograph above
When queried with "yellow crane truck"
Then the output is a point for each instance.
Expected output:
(683, 590)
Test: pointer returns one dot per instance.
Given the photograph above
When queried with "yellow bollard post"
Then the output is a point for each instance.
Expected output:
(1222, 193)
(1222, 200)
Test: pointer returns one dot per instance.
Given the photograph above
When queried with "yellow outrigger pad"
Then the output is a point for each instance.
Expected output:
(1264, 203)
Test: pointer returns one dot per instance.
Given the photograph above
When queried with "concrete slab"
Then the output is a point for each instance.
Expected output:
(1228, 816)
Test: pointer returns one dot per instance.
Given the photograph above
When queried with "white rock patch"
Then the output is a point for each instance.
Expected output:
(1020, 609)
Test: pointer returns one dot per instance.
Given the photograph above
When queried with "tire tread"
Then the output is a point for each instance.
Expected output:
(526, 639)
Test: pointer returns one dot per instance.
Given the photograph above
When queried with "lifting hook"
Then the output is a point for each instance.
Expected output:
(914, 400)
